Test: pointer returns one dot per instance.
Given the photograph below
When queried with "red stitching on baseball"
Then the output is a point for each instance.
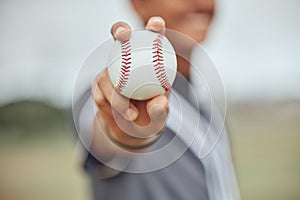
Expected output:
(126, 65)
(158, 61)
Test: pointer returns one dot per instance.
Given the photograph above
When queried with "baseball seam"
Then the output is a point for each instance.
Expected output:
(125, 64)
(158, 61)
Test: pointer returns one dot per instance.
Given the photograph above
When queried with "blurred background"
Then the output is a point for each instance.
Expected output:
(255, 45)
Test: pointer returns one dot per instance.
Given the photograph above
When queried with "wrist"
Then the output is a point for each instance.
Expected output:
(131, 143)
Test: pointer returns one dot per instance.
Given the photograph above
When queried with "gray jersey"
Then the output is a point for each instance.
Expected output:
(183, 179)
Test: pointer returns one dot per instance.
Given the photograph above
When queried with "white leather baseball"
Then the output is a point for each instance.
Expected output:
(144, 66)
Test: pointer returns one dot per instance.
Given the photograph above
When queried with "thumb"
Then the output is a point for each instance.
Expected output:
(158, 109)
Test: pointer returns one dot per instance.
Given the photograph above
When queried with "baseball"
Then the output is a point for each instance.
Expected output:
(144, 66)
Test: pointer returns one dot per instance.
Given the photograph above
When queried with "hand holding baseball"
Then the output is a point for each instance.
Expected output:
(140, 120)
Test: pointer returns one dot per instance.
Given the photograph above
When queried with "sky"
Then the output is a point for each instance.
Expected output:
(255, 46)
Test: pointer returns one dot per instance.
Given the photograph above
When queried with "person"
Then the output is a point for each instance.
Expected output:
(113, 161)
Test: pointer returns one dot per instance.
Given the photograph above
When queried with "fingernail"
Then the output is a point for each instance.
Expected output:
(131, 114)
(157, 19)
(119, 30)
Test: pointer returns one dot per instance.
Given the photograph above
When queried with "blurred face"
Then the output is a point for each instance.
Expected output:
(190, 17)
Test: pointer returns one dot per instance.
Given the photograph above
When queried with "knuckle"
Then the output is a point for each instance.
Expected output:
(119, 103)
(101, 102)
(98, 98)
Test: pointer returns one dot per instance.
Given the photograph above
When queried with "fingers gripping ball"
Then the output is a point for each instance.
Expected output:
(144, 66)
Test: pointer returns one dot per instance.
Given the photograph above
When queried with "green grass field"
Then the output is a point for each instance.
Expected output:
(39, 159)
(266, 150)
